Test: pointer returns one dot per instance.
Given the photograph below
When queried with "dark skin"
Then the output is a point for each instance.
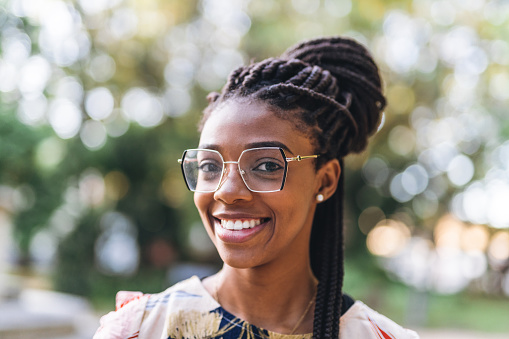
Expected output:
(266, 278)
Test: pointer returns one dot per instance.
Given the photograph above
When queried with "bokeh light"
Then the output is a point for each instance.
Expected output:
(93, 135)
(401, 140)
(499, 246)
(142, 107)
(475, 238)
(116, 125)
(102, 67)
(65, 118)
(99, 103)
(460, 170)
(369, 218)
(32, 110)
(116, 249)
(376, 171)
(49, 153)
(116, 185)
(448, 232)
(91, 188)
(388, 238)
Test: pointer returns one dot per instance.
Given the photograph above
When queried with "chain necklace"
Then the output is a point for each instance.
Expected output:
(311, 302)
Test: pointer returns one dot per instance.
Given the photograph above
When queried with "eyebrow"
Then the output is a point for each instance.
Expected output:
(251, 145)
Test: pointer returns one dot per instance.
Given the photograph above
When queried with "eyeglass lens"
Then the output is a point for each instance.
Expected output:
(263, 170)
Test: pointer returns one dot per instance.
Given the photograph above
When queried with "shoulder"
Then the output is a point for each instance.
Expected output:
(126, 320)
(360, 321)
(135, 310)
(187, 294)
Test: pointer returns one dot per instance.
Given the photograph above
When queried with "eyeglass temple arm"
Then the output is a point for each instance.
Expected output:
(297, 158)
(303, 157)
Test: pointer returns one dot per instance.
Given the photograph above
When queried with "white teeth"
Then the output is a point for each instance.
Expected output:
(240, 224)
(229, 224)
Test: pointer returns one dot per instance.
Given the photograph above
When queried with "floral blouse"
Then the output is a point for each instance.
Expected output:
(187, 310)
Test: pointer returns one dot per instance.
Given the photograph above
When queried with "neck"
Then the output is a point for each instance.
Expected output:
(274, 297)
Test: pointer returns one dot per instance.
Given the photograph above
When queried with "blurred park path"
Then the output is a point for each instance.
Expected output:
(459, 334)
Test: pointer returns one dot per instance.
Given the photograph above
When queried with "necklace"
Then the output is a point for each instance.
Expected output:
(311, 302)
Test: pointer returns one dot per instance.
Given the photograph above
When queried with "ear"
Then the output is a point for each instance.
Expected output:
(328, 178)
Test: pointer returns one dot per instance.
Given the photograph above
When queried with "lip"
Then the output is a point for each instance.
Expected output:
(237, 236)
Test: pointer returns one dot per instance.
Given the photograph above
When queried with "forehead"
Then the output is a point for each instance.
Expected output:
(237, 124)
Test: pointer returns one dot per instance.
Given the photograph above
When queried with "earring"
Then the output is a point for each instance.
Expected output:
(319, 197)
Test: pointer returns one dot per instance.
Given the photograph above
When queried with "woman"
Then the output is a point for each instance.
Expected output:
(268, 183)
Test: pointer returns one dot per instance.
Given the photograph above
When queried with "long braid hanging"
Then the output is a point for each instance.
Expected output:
(328, 239)
(336, 86)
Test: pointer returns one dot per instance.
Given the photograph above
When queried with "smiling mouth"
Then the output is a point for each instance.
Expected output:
(240, 224)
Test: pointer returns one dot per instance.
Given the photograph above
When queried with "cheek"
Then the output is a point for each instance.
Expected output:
(292, 204)
(301, 183)
(299, 196)
(202, 201)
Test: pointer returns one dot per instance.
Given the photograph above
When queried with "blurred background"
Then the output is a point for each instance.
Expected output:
(98, 99)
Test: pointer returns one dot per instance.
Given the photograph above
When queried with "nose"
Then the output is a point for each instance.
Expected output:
(232, 187)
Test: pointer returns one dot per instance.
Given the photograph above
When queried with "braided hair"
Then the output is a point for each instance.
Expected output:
(331, 88)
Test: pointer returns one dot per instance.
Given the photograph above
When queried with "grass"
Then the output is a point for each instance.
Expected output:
(413, 309)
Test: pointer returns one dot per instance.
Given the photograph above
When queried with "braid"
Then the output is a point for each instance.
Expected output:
(333, 87)
(312, 94)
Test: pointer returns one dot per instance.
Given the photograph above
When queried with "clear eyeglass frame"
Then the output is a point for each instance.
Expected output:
(286, 159)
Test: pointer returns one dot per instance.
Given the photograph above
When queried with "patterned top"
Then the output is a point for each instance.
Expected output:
(187, 310)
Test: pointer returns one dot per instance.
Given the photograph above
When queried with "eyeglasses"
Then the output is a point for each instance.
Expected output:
(262, 169)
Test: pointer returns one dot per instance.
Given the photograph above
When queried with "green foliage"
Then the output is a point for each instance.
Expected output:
(75, 270)
(18, 168)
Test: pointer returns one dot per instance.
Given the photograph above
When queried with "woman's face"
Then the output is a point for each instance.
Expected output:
(283, 219)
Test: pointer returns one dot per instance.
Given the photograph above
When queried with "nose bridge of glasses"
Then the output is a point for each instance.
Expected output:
(226, 172)
(241, 171)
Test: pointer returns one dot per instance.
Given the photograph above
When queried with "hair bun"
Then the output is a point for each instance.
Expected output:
(357, 78)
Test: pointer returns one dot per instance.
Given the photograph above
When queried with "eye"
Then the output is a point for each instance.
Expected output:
(268, 166)
(209, 167)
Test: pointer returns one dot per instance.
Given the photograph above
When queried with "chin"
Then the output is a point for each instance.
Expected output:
(242, 259)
